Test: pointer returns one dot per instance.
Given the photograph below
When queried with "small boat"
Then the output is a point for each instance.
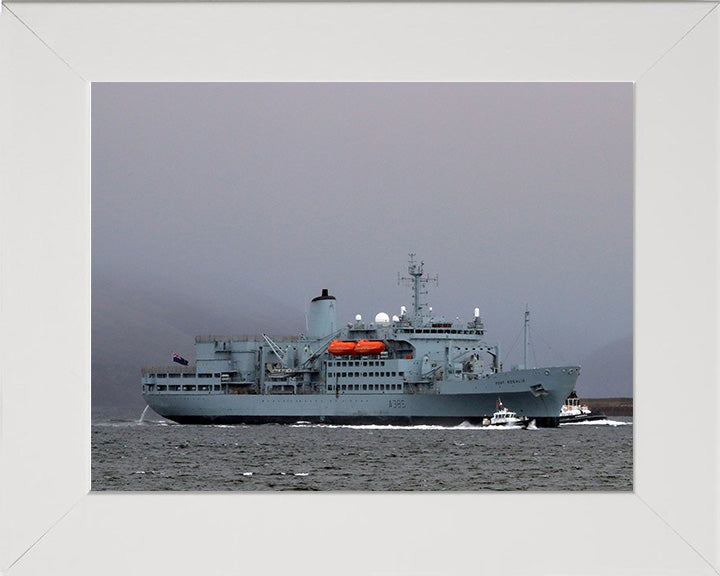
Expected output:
(505, 417)
(340, 348)
(369, 348)
(572, 411)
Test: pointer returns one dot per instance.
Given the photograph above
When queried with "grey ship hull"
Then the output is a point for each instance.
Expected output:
(535, 394)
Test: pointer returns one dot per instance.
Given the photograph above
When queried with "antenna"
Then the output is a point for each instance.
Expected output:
(527, 335)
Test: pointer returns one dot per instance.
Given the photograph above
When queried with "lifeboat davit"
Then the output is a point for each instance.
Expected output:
(368, 347)
(342, 348)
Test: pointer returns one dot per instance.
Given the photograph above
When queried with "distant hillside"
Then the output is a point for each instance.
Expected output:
(135, 326)
(610, 406)
(608, 372)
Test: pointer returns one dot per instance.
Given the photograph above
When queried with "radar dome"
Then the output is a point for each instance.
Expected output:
(382, 318)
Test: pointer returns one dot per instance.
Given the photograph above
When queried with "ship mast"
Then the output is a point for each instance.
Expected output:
(417, 282)
(527, 335)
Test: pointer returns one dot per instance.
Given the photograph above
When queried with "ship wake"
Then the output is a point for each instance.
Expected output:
(606, 422)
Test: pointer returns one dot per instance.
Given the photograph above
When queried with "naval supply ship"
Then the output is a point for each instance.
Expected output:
(412, 368)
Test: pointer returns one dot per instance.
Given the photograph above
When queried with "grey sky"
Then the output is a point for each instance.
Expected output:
(512, 193)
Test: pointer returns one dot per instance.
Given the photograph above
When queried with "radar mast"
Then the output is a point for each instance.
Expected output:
(418, 282)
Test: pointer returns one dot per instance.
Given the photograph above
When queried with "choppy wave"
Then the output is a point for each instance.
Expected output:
(156, 455)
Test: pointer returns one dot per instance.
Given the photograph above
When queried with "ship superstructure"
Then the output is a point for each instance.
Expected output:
(411, 368)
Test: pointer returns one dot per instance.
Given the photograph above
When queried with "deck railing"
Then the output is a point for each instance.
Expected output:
(205, 338)
(168, 369)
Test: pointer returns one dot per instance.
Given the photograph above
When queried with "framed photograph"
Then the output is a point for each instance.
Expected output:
(220, 207)
(51, 53)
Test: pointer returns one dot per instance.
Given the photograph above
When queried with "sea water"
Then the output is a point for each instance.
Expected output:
(150, 455)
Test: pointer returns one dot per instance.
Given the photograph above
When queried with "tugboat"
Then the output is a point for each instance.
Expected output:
(572, 411)
(411, 368)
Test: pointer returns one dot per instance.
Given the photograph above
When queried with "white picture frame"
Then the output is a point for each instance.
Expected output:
(49, 520)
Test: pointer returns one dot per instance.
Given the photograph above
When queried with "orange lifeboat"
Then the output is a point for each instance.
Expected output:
(368, 347)
(341, 348)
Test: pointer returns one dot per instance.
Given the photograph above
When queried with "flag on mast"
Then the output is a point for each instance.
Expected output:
(180, 360)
